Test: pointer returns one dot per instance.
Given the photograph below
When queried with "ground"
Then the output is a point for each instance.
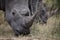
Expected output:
(38, 31)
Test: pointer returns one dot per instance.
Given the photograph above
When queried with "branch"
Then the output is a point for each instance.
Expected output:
(53, 12)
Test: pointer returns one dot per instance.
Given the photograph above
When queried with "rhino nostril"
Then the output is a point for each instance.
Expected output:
(13, 13)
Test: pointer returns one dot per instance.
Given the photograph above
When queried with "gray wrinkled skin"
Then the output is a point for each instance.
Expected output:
(18, 15)
(15, 15)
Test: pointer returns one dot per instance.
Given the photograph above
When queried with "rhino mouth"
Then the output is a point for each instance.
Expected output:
(22, 32)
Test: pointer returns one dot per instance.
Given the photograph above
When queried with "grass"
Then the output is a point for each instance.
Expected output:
(56, 28)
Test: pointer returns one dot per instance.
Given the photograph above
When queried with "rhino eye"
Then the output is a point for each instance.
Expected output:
(13, 13)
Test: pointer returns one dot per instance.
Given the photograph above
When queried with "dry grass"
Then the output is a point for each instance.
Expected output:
(38, 31)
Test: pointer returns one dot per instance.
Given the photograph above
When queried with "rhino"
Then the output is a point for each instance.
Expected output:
(18, 14)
